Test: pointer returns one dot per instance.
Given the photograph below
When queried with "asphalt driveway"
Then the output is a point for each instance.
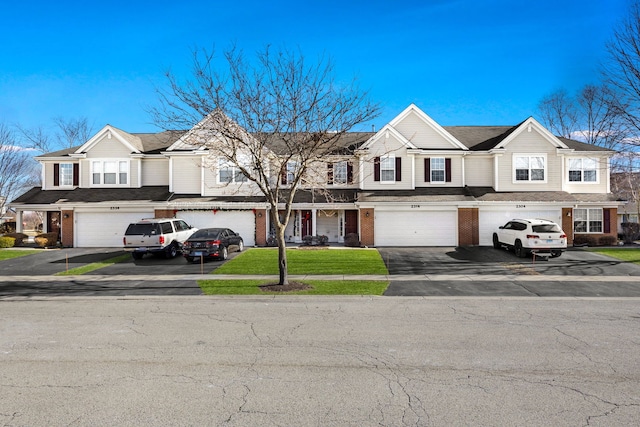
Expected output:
(485, 271)
(462, 271)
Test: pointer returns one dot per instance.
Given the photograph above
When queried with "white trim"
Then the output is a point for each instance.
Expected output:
(429, 122)
(106, 132)
(102, 161)
(529, 125)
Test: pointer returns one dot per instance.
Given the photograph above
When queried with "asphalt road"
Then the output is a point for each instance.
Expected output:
(319, 361)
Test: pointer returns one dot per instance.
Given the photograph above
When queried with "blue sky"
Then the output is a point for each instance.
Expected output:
(463, 62)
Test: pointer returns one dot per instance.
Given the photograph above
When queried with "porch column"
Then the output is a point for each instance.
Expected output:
(18, 221)
(314, 222)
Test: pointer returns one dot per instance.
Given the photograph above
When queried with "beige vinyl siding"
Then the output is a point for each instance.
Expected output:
(134, 168)
(155, 172)
(213, 188)
(419, 133)
(382, 147)
(530, 143)
(478, 171)
(186, 175)
(600, 186)
(109, 149)
(48, 176)
(456, 172)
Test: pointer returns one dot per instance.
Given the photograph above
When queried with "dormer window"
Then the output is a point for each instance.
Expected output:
(110, 172)
(387, 169)
(65, 174)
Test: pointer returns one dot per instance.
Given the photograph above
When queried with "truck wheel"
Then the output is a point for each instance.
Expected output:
(137, 255)
(519, 250)
(496, 242)
(171, 251)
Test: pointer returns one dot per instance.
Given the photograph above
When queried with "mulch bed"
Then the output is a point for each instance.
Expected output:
(291, 287)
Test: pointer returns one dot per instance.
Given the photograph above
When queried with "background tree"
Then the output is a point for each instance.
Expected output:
(275, 120)
(18, 170)
(68, 133)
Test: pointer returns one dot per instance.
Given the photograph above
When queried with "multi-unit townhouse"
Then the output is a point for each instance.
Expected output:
(412, 183)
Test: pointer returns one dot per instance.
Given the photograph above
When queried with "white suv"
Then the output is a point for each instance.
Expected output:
(538, 236)
(157, 236)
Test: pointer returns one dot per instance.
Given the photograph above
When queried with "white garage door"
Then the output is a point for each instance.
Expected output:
(104, 229)
(242, 222)
(490, 219)
(416, 228)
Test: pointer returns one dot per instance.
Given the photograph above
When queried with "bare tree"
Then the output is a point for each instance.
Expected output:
(558, 112)
(275, 120)
(17, 168)
(69, 133)
(622, 69)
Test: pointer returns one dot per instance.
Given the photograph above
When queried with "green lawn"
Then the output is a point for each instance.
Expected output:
(13, 253)
(629, 255)
(302, 261)
(306, 261)
(94, 266)
(320, 287)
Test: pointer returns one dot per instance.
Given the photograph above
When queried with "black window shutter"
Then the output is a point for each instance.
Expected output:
(76, 174)
(606, 217)
(398, 169)
(349, 172)
(376, 169)
(427, 170)
(56, 174)
(329, 173)
(447, 170)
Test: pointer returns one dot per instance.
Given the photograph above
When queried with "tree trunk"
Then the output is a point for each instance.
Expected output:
(282, 248)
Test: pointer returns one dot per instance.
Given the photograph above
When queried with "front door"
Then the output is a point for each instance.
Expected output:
(350, 222)
(53, 223)
(307, 223)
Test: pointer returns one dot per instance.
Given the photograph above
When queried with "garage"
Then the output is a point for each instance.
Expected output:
(490, 218)
(416, 228)
(242, 222)
(104, 229)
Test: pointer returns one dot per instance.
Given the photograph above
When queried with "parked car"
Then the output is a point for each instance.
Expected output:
(156, 236)
(212, 243)
(526, 236)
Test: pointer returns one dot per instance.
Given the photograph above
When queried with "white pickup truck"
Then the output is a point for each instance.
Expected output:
(157, 236)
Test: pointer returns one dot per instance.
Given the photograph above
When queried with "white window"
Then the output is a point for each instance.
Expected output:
(110, 172)
(388, 169)
(437, 169)
(587, 220)
(229, 172)
(529, 168)
(583, 170)
(66, 174)
(340, 173)
(292, 170)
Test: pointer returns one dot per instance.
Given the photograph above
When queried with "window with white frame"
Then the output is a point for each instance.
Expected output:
(66, 173)
(529, 168)
(437, 169)
(583, 170)
(292, 170)
(229, 172)
(110, 172)
(388, 169)
(340, 173)
(588, 220)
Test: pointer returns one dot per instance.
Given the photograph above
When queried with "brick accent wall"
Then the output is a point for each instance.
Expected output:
(164, 213)
(613, 222)
(468, 227)
(261, 227)
(567, 224)
(367, 220)
(66, 228)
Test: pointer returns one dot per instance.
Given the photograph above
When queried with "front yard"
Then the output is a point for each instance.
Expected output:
(302, 262)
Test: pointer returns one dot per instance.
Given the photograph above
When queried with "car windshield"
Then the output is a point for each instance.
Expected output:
(141, 229)
(546, 228)
(206, 234)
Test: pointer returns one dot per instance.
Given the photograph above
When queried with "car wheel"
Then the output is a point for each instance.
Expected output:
(189, 258)
(137, 255)
(519, 250)
(555, 254)
(223, 253)
(496, 242)
(240, 246)
(171, 251)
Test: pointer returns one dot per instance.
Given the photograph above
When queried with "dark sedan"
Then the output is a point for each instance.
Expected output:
(212, 243)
